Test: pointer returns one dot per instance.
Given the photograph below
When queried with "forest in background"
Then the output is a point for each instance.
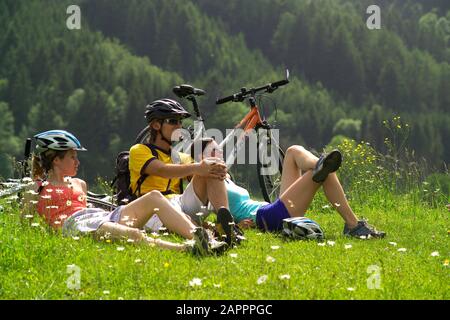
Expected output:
(346, 79)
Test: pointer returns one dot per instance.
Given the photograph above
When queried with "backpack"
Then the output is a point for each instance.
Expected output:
(122, 180)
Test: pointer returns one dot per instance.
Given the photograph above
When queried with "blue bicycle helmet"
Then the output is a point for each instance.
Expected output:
(57, 140)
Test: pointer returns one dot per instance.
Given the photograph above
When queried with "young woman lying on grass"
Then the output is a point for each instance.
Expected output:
(303, 174)
(61, 200)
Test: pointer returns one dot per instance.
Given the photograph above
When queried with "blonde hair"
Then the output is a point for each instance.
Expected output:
(41, 164)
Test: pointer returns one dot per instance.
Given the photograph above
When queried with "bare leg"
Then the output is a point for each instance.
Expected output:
(117, 231)
(297, 161)
(211, 189)
(335, 194)
(298, 196)
(142, 209)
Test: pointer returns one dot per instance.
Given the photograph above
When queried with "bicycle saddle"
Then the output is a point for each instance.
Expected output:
(185, 90)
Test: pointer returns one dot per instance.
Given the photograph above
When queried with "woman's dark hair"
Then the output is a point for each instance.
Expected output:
(204, 142)
(42, 163)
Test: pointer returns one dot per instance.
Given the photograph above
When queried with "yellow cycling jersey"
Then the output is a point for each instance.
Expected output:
(140, 157)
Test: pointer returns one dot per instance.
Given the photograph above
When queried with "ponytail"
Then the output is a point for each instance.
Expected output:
(43, 163)
(153, 133)
(37, 172)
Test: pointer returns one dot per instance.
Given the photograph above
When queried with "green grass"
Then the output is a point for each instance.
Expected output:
(33, 262)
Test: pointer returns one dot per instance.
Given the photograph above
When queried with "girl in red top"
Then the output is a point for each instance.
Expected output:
(61, 200)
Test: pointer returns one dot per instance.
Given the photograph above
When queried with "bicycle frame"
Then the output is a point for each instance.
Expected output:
(248, 125)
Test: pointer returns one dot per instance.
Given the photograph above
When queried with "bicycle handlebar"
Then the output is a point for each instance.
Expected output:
(240, 96)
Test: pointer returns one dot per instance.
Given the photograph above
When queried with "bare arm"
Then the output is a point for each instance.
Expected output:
(206, 168)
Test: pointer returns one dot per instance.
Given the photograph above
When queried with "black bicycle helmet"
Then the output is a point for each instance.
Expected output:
(165, 108)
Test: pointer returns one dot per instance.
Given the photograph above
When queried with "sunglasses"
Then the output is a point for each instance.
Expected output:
(173, 121)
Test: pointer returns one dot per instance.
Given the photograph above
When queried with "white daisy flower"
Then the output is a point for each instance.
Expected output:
(285, 277)
(402, 250)
(262, 279)
(347, 246)
(435, 254)
(270, 259)
(195, 282)
(120, 248)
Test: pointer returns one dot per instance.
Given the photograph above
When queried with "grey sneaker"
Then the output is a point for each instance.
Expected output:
(327, 164)
(363, 230)
(217, 247)
(205, 245)
(224, 225)
(201, 239)
(227, 229)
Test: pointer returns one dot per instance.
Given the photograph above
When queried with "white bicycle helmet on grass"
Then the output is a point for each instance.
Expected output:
(301, 228)
(57, 140)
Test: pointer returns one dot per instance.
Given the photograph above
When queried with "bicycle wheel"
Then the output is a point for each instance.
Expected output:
(269, 174)
(143, 136)
(102, 204)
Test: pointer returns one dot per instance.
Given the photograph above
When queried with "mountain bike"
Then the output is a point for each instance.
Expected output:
(269, 155)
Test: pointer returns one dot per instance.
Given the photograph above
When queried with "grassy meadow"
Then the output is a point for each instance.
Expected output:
(412, 262)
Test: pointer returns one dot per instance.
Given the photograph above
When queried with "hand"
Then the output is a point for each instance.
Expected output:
(212, 168)
(246, 224)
